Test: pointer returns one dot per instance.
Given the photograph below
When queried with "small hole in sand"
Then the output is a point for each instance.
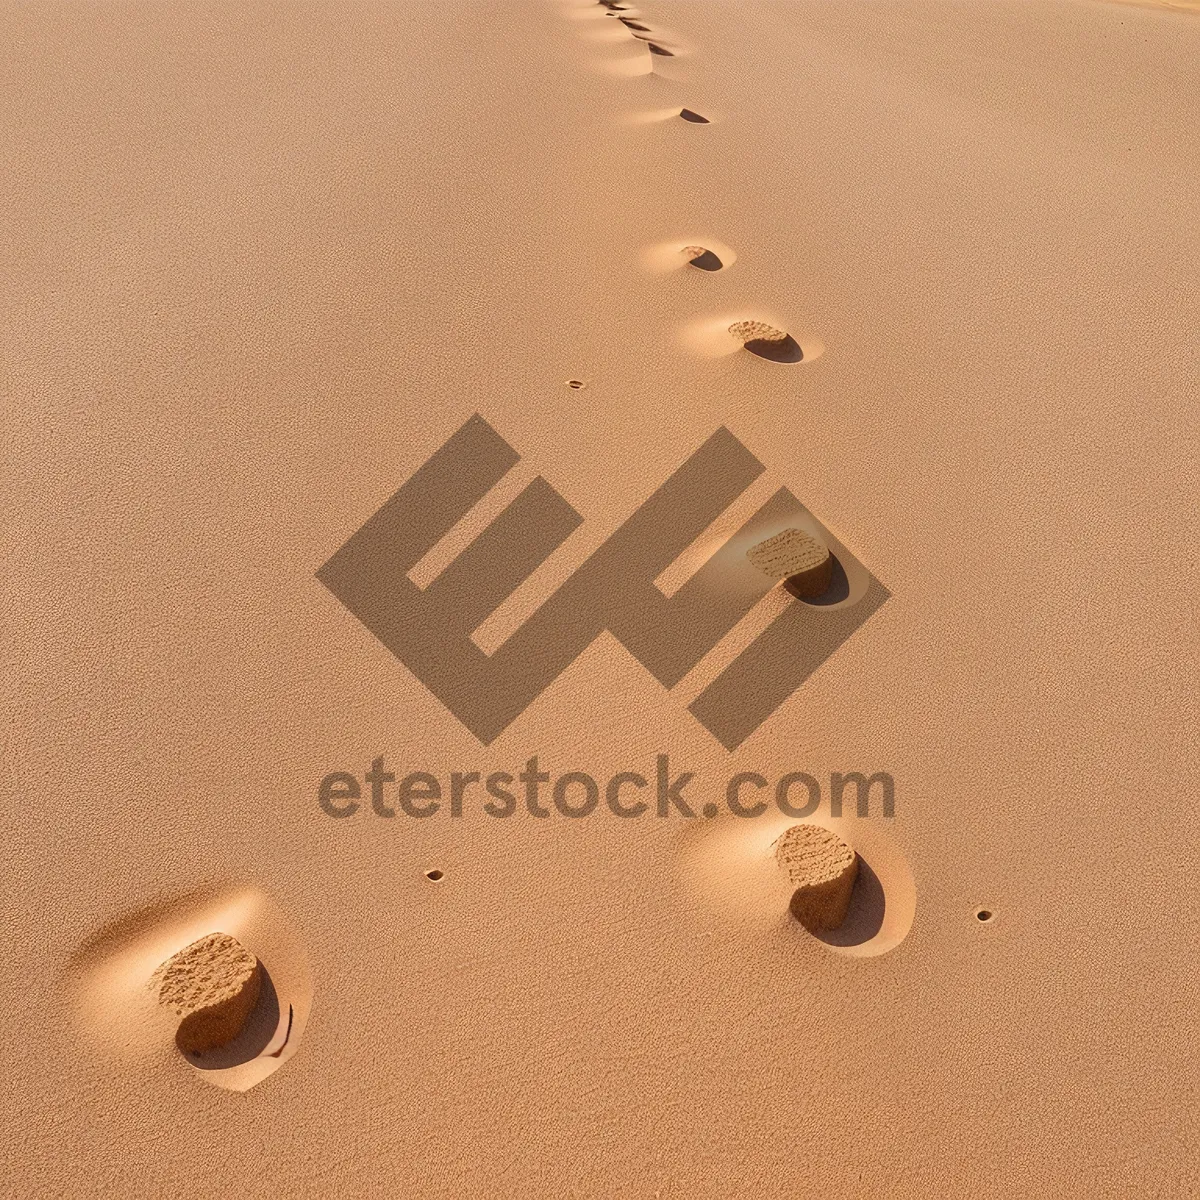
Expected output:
(435, 875)
(984, 914)
(576, 384)
(694, 117)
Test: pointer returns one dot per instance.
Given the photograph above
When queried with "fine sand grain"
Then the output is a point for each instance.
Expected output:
(262, 260)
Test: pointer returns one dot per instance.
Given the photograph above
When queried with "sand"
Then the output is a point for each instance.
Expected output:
(823, 869)
(799, 559)
(262, 260)
(213, 985)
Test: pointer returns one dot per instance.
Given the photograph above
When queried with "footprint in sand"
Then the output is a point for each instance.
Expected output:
(802, 561)
(702, 258)
(854, 891)
(217, 978)
(212, 985)
(702, 252)
(639, 28)
(766, 341)
(656, 115)
(823, 869)
(722, 334)
(842, 883)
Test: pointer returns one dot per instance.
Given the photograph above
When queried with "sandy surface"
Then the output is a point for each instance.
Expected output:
(261, 261)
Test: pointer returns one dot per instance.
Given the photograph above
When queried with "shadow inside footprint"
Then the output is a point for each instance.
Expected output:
(655, 48)
(782, 350)
(630, 23)
(864, 919)
(260, 1029)
(706, 261)
(694, 117)
(837, 591)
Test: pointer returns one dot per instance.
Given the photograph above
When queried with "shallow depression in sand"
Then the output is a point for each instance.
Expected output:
(711, 337)
(702, 258)
(114, 982)
(730, 864)
(850, 581)
(676, 116)
(766, 341)
(682, 254)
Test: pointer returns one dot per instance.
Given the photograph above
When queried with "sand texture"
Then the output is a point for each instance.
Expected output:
(263, 261)
(213, 984)
(756, 331)
(799, 559)
(822, 868)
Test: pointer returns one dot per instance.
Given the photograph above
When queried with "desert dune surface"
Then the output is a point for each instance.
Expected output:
(917, 278)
